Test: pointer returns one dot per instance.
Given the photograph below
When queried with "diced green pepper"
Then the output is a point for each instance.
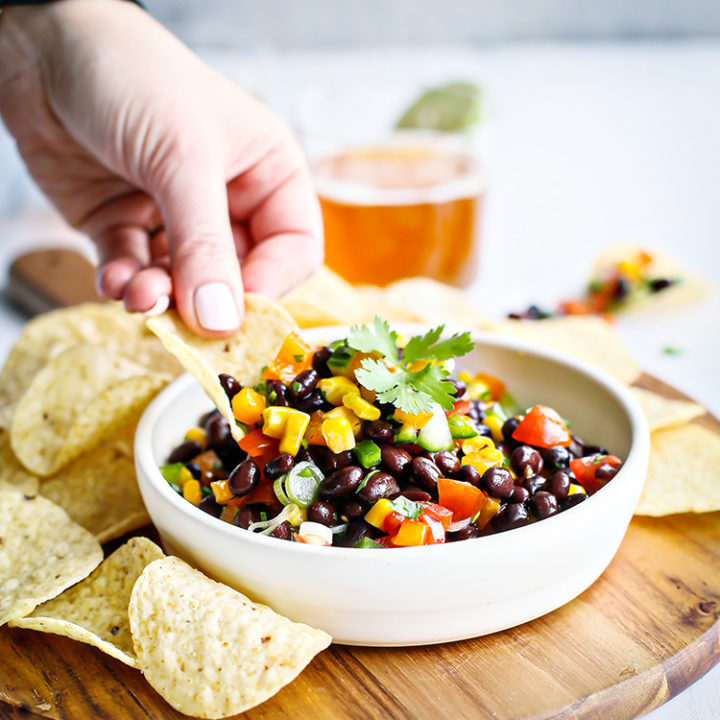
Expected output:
(367, 542)
(367, 453)
(461, 427)
(174, 472)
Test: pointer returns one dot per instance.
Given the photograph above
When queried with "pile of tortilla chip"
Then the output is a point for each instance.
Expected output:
(685, 454)
(207, 649)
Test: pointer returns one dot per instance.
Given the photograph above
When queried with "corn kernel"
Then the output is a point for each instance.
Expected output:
(466, 377)
(576, 489)
(275, 418)
(362, 408)
(484, 459)
(297, 515)
(349, 415)
(197, 434)
(293, 434)
(495, 424)
(335, 388)
(476, 444)
(338, 433)
(192, 492)
(248, 406)
(221, 491)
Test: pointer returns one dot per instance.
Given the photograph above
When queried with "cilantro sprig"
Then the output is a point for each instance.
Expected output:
(412, 390)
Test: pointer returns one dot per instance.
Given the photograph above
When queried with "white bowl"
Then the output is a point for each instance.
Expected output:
(430, 594)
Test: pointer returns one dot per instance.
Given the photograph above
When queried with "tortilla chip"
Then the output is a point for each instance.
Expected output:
(323, 299)
(431, 302)
(683, 473)
(42, 552)
(95, 611)
(78, 398)
(47, 335)
(99, 491)
(587, 338)
(661, 412)
(207, 649)
(688, 288)
(13, 476)
(243, 355)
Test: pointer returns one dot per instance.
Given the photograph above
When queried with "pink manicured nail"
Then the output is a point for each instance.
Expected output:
(215, 307)
(162, 304)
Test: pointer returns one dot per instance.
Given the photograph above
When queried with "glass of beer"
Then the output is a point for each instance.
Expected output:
(409, 205)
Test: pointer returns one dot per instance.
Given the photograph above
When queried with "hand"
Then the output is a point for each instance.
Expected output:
(189, 187)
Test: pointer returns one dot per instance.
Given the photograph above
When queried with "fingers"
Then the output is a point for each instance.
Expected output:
(123, 252)
(206, 278)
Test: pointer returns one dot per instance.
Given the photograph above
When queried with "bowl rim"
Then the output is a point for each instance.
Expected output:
(637, 454)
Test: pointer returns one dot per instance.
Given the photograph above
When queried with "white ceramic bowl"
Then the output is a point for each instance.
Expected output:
(430, 594)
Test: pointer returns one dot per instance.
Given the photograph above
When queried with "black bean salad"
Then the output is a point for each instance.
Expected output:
(370, 442)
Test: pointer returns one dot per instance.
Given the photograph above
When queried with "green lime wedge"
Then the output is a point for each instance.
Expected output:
(449, 108)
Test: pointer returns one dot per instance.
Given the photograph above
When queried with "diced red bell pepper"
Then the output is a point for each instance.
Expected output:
(460, 407)
(437, 512)
(584, 470)
(257, 443)
(462, 498)
(542, 427)
(392, 522)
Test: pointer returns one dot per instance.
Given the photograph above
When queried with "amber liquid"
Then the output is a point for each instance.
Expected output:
(396, 212)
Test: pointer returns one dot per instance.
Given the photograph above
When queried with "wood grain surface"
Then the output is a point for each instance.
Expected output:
(648, 628)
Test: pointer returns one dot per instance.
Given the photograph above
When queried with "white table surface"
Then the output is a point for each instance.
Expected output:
(590, 145)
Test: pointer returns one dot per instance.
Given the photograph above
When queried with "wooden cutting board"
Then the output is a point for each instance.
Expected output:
(648, 628)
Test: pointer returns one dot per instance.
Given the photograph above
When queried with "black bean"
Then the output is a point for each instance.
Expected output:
(247, 515)
(572, 500)
(208, 417)
(282, 531)
(660, 284)
(415, 494)
(302, 385)
(208, 505)
(559, 484)
(378, 485)
(379, 431)
(498, 482)
(353, 509)
(344, 458)
(425, 472)
(576, 447)
(519, 494)
(506, 448)
(533, 483)
(319, 361)
(594, 450)
(230, 385)
(322, 512)
(467, 533)
(510, 516)
(460, 387)
(218, 431)
(605, 471)
(543, 504)
(185, 452)
(395, 460)
(508, 428)
(621, 288)
(526, 461)
(244, 478)
(314, 401)
(279, 466)
(467, 473)
(483, 429)
(304, 456)
(194, 469)
(324, 458)
(447, 462)
(208, 476)
(357, 530)
(277, 391)
(341, 483)
(230, 453)
(556, 457)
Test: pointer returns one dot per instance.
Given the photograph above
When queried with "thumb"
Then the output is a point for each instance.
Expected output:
(204, 265)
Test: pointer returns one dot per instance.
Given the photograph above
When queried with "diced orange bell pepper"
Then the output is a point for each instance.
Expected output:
(221, 491)
(495, 386)
(488, 512)
(413, 420)
(228, 513)
(248, 406)
(313, 434)
(294, 356)
(464, 499)
(542, 427)
(192, 492)
(411, 533)
(256, 443)
(207, 461)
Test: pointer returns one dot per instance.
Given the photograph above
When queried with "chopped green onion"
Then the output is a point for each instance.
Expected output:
(299, 359)
(367, 453)
(365, 480)
(671, 350)
(278, 487)
(366, 543)
(301, 483)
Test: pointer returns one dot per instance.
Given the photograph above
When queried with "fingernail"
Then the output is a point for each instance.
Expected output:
(215, 307)
(162, 304)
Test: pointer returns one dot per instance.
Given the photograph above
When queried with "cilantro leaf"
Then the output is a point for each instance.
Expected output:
(383, 340)
(426, 346)
(432, 380)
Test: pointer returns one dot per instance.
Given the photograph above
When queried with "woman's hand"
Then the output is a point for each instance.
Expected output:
(190, 188)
